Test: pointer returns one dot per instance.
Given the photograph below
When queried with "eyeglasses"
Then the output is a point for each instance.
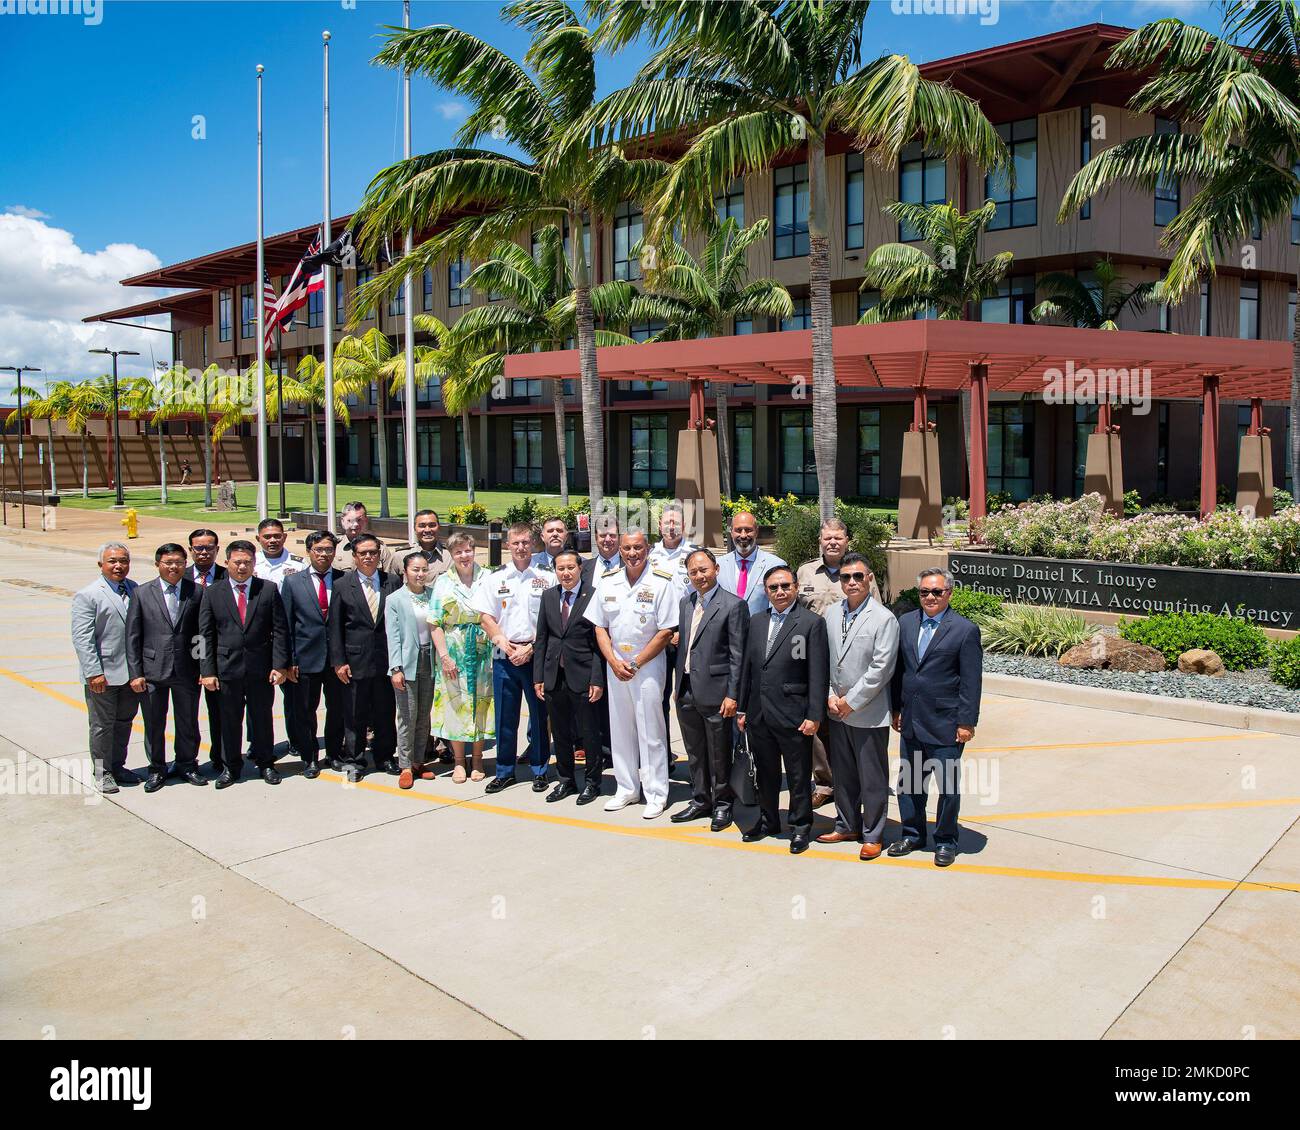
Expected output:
(859, 577)
(366, 553)
(932, 592)
(780, 586)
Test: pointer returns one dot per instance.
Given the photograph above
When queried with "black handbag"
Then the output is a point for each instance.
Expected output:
(744, 774)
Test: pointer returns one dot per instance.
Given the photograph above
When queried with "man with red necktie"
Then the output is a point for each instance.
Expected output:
(741, 571)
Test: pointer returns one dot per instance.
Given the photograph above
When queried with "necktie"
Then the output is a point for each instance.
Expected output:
(696, 617)
(372, 600)
(928, 626)
(322, 597)
(121, 591)
(243, 602)
(202, 578)
(565, 607)
(173, 604)
(743, 583)
(773, 630)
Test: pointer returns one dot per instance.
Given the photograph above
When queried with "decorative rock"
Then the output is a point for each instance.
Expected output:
(1201, 661)
(1111, 653)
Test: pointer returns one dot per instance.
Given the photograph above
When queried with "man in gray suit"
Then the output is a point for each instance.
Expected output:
(714, 625)
(742, 570)
(863, 637)
(99, 637)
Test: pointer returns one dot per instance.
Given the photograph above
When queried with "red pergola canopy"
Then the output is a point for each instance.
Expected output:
(939, 355)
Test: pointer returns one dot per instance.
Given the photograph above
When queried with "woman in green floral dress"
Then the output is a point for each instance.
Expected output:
(462, 699)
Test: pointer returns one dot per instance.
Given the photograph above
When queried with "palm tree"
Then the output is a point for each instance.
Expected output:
(946, 280)
(1238, 97)
(205, 389)
(307, 386)
(87, 399)
(53, 405)
(161, 399)
(32, 409)
(539, 311)
(755, 80)
(704, 298)
(479, 197)
(1096, 306)
(370, 360)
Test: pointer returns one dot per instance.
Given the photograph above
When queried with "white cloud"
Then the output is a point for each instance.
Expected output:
(48, 284)
(23, 210)
(451, 111)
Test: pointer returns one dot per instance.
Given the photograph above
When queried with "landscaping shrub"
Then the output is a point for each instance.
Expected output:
(1239, 643)
(997, 500)
(971, 603)
(471, 514)
(1028, 629)
(1282, 499)
(1132, 503)
(798, 532)
(1284, 664)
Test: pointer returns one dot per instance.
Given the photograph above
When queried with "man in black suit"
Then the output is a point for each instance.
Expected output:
(244, 654)
(934, 698)
(713, 625)
(569, 676)
(162, 624)
(204, 572)
(307, 595)
(787, 673)
(359, 655)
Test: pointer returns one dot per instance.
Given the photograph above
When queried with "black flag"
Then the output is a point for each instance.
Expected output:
(338, 255)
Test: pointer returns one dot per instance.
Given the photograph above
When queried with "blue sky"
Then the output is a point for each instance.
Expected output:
(101, 119)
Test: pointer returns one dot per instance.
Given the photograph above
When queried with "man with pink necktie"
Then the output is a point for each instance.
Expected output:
(741, 571)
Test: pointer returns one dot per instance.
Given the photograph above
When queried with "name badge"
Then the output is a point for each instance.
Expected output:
(504, 590)
(645, 596)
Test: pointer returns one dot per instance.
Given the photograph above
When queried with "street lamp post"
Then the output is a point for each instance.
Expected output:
(120, 500)
(18, 371)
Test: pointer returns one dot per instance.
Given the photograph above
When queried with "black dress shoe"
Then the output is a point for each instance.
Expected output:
(497, 784)
(226, 779)
(311, 770)
(562, 790)
(271, 775)
(355, 773)
(693, 811)
(721, 819)
(758, 832)
(798, 843)
(539, 784)
(589, 793)
(194, 777)
(944, 855)
(125, 777)
(335, 764)
(902, 847)
(154, 781)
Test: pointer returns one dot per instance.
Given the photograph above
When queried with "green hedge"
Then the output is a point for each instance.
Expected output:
(798, 535)
(1239, 643)
(1284, 665)
(471, 514)
(969, 602)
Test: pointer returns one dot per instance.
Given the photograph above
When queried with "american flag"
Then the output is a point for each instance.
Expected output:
(295, 294)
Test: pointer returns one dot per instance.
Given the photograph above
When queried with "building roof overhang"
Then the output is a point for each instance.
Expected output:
(187, 310)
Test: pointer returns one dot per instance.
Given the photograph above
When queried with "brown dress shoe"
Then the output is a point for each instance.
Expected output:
(838, 838)
(427, 775)
(869, 851)
(406, 779)
(822, 797)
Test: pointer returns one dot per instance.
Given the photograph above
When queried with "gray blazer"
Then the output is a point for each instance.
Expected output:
(862, 662)
(402, 626)
(755, 594)
(99, 631)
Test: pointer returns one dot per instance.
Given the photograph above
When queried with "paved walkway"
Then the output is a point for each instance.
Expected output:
(1121, 877)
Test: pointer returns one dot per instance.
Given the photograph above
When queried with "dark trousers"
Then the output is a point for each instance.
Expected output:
(212, 699)
(303, 702)
(707, 736)
(370, 706)
(512, 686)
(574, 725)
(254, 699)
(771, 744)
(917, 763)
(184, 697)
(670, 654)
(111, 714)
(860, 762)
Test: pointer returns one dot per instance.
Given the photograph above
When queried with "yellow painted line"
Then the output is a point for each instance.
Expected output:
(721, 840)
(1243, 735)
(1136, 810)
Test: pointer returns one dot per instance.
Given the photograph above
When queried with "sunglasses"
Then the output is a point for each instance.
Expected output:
(780, 586)
(366, 553)
(860, 577)
(932, 592)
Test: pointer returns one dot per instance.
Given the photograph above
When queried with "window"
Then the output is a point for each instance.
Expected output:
(428, 288)
(374, 449)
(628, 229)
(790, 210)
(869, 451)
(731, 203)
(1290, 312)
(428, 452)
(1248, 311)
(364, 275)
(1166, 187)
(1085, 423)
(205, 346)
(1016, 207)
(247, 312)
(853, 189)
(1164, 315)
(568, 244)
(526, 389)
(225, 315)
(1011, 449)
(1205, 308)
(922, 179)
(1085, 152)
(315, 309)
(340, 303)
(742, 451)
(1162, 449)
(1014, 300)
(867, 300)
(801, 319)
(798, 461)
(649, 451)
(526, 449)
(570, 443)
(354, 449)
(457, 292)
(397, 304)
(744, 326)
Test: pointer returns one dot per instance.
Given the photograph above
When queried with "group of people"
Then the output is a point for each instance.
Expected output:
(767, 667)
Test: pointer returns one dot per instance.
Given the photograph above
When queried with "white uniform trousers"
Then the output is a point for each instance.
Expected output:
(638, 737)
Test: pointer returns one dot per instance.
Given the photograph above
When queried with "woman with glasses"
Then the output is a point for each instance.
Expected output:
(462, 699)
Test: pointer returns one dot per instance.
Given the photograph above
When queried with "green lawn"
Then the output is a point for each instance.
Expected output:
(187, 503)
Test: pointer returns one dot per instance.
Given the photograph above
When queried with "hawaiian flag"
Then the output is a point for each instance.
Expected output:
(295, 294)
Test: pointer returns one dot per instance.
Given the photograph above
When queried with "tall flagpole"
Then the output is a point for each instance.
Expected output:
(261, 320)
(331, 490)
(408, 323)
